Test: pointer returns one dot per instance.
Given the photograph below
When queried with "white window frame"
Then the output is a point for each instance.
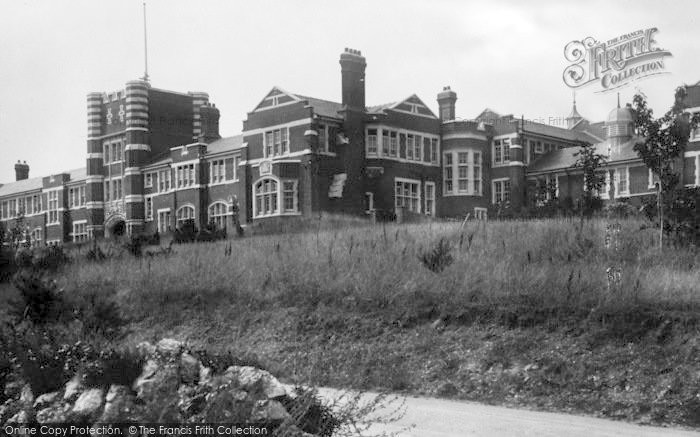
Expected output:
(76, 197)
(164, 226)
(411, 199)
(180, 214)
(429, 210)
(53, 207)
(504, 193)
(618, 173)
(148, 180)
(372, 151)
(454, 165)
(499, 145)
(272, 144)
(279, 192)
(217, 171)
(185, 176)
(480, 213)
(148, 208)
(165, 178)
(36, 236)
(80, 234)
(216, 216)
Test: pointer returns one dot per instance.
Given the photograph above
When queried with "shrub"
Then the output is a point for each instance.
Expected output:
(439, 258)
(99, 315)
(310, 414)
(39, 363)
(41, 302)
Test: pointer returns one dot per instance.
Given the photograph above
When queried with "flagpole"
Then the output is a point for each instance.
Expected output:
(145, 44)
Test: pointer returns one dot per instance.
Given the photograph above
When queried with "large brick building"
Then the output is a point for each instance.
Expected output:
(155, 159)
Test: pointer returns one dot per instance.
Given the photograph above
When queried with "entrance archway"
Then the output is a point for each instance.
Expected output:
(115, 227)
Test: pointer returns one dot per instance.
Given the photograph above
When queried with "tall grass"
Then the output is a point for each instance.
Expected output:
(516, 272)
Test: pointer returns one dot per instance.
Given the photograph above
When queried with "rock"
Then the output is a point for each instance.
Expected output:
(447, 389)
(146, 349)
(73, 388)
(204, 375)
(89, 402)
(119, 404)
(159, 379)
(22, 417)
(249, 377)
(189, 368)
(269, 410)
(26, 396)
(169, 347)
(46, 399)
(13, 389)
(53, 414)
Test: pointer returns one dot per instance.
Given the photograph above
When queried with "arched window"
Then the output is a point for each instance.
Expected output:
(217, 214)
(266, 197)
(184, 213)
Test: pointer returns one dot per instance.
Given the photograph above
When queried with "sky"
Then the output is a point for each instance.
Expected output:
(500, 54)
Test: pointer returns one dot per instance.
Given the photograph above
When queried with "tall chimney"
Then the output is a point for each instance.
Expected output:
(352, 67)
(446, 101)
(21, 171)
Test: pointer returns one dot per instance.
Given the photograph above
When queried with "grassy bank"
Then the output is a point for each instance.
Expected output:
(522, 314)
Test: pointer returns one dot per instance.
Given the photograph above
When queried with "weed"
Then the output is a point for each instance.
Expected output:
(439, 258)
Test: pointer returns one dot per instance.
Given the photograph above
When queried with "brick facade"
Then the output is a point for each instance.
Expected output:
(155, 159)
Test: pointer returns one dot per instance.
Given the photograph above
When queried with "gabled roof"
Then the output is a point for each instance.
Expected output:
(380, 108)
(558, 132)
(324, 108)
(35, 184)
(564, 158)
(225, 144)
(22, 186)
(414, 105)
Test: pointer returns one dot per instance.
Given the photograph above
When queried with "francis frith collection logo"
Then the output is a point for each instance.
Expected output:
(616, 62)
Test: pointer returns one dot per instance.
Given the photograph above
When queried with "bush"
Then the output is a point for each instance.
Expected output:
(99, 315)
(41, 301)
(439, 258)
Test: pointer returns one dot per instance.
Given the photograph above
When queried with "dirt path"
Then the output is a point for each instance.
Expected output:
(442, 418)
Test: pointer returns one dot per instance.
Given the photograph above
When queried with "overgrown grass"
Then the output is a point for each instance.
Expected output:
(517, 273)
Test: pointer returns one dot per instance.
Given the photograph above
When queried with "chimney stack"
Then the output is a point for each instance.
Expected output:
(21, 171)
(446, 101)
(352, 67)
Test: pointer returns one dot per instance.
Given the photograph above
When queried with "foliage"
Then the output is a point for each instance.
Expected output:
(41, 300)
(439, 258)
(664, 142)
(590, 162)
(620, 210)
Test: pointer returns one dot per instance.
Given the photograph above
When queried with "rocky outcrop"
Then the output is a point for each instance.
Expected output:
(173, 386)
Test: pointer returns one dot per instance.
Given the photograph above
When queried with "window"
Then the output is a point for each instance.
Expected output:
(116, 185)
(113, 151)
(183, 214)
(480, 213)
(53, 206)
(185, 176)
(217, 214)
(434, 150)
(289, 196)
(448, 181)
(148, 180)
(266, 198)
(106, 154)
(501, 191)
(80, 233)
(407, 195)
(372, 146)
(322, 138)
(164, 180)
(36, 201)
(501, 151)
(466, 165)
(76, 197)
(385, 142)
(418, 148)
(20, 206)
(36, 236)
(653, 180)
(410, 146)
(393, 143)
(476, 172)
(622, 182)
(107, 191)
(217, 171)
(234, 171)
(430, 198)
(276, 142)
(163, 220)
(148, 208)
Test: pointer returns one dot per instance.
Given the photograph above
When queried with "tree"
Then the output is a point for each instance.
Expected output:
(590, 162)
(664, 142)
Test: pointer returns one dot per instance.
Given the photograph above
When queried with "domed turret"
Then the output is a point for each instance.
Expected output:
(619, 126)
